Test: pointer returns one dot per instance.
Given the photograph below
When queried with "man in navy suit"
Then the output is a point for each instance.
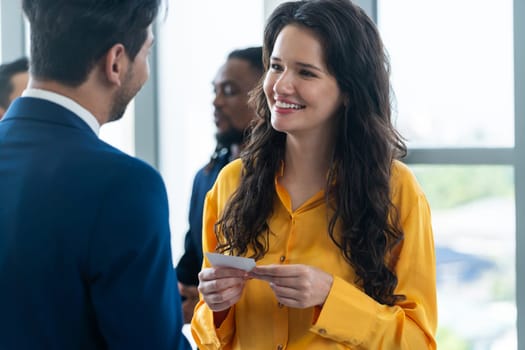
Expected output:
(85, 256)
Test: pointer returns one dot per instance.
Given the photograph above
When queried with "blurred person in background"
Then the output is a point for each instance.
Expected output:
(232, 115)
(13, 80)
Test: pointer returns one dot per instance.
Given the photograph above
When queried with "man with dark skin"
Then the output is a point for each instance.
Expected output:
(232, 116)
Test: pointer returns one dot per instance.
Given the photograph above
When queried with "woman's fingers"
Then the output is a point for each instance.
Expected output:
(221, 287)
(299, 286)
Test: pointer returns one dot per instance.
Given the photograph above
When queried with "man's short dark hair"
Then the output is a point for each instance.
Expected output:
(251, 54)
(7, 71)
(68, 37)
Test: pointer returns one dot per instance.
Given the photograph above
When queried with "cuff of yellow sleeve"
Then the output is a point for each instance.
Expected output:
(347, 316)
(203, 327)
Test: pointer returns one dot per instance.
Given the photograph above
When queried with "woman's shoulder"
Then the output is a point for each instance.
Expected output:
(400, 169)
(231, 170)
(226, 183)
(404, 182)
(230, 174)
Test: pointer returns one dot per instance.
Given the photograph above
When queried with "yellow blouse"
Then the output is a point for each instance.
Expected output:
(349, 319)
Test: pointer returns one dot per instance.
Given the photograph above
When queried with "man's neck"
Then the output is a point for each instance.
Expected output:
(82, 94)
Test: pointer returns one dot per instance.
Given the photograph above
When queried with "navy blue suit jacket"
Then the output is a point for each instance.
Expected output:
(85, 258)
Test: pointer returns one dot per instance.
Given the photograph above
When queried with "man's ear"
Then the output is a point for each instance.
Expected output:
(116, 64)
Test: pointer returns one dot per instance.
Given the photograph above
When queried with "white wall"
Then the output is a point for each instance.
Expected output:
(193, 43)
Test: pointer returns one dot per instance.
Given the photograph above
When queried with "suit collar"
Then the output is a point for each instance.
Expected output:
(31, 108)
(67, 103)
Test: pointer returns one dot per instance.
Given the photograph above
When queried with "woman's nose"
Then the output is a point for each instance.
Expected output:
(284, 85)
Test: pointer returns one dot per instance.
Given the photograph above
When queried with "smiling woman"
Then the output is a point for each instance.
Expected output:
(339, 228)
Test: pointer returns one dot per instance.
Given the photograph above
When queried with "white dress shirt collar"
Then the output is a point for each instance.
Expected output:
(67, 103)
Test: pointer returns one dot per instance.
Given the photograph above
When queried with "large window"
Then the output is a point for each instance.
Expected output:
(453, 78)
(473, 219)
(452, 70)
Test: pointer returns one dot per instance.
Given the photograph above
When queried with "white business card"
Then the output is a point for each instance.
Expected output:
(236, 262)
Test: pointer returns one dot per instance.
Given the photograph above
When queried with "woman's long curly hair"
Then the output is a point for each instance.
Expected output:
(366, 143)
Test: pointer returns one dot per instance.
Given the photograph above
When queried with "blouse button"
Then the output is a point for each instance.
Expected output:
(282, 258)
(279, 347)
(322, 331)
(280, 305)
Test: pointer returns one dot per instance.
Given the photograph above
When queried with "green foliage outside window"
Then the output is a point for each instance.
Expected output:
(448, 186)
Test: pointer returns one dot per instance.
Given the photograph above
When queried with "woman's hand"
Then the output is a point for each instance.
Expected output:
(298, 286)
(221, 287)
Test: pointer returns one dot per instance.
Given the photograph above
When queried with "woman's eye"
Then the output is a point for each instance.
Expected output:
(307, 73)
